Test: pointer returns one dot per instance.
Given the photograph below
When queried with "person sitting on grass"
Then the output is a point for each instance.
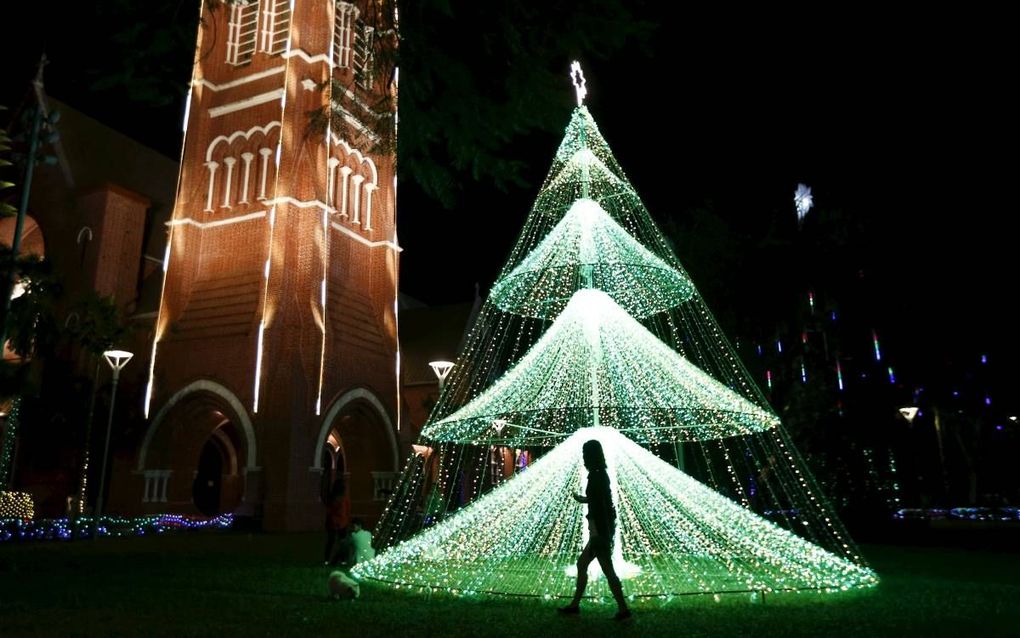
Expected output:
(361, 541)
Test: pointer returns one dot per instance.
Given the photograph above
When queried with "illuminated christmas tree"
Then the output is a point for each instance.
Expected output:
(594, 330)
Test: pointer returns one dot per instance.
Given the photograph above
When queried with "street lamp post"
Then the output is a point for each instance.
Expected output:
(442, 369)
(117, 360)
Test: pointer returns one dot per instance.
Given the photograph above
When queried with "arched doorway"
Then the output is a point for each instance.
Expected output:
(205, 491)
(217, 487)
(197, 452)
(358, 441)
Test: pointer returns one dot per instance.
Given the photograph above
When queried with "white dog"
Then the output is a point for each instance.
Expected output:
(343, 587)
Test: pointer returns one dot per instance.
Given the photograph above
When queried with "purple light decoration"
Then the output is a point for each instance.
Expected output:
(833, 315)
(839, 375)
(988, 400)
(892, 376)
(768, 378)
(758, 348)
(779, 346)
(984, 358)
(874, 341)
(999, 428)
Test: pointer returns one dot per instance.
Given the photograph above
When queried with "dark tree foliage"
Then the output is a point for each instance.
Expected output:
(475, 77)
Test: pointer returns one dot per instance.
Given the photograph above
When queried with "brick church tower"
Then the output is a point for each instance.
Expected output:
(274, 364)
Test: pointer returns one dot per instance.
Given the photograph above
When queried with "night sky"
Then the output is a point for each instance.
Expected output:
(904, 122)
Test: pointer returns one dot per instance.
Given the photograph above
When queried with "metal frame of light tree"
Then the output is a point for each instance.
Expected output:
(760, 471)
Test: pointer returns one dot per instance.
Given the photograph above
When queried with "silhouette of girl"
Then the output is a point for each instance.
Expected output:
(601, 527)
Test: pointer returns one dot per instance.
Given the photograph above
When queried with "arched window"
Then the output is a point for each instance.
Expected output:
(239, 167)
(352, 181)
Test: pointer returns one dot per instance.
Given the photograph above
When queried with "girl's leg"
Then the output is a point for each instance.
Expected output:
(605, 558)
(582, 574)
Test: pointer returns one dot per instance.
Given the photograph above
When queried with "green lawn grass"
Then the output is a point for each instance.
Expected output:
(232, 583)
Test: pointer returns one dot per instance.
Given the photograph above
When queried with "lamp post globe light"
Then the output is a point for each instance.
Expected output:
(117, 360)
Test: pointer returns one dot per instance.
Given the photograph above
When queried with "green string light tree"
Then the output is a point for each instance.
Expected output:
(594, 330)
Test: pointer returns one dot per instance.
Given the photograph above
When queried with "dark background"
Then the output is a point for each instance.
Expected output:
(903, 124)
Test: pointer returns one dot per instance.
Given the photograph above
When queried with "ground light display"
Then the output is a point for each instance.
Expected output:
(594, 330)
(674, 536)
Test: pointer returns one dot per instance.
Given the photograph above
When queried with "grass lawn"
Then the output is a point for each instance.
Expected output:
(232, 583)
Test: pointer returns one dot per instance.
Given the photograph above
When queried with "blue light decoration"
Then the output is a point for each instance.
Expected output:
(988, 400)
(779, 346)
(803, 372)
(892, 375)
(984, 359)
(63, 529)
(959, 513)
(839, 375)
(874, 341)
